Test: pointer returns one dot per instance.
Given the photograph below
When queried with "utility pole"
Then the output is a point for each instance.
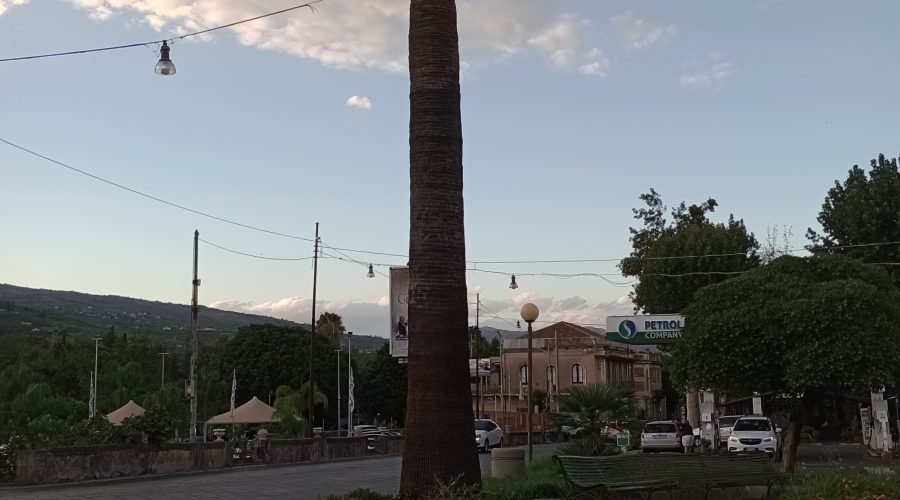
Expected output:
(556, 371)
(350, 399)
(194, 343)
(96, 375)
(312, 327)
(162, 377)
(477, 356)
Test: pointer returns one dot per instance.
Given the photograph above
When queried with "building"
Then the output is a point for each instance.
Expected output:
(564, 355)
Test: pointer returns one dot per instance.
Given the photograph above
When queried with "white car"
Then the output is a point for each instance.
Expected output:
(753, 433)
(487, 434)
(726, 422)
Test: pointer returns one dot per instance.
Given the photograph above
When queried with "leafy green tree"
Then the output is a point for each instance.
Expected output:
(331, 326)
(155, 425)
(662, 253)
(590, 410)
(292, 407)
(480, 347)
(381, 387)
(806, 326)
(863, 210)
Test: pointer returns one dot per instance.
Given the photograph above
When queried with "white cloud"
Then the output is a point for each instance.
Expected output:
(358, 102)
(710, 72)
(638, 32)
(351, 34)
(6, 4)
(371, 317)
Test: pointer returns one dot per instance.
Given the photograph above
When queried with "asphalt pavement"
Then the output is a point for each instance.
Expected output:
(287, 482)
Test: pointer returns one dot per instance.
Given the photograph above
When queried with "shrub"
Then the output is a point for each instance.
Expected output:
(843, 484)
(542, 479)
(588, 447)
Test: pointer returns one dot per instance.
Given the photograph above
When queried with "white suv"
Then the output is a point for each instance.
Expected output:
(753, 433)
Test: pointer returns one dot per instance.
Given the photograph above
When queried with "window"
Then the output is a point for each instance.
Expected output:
(752, 424)
(577, 373)
(523, 374)
(551, 379)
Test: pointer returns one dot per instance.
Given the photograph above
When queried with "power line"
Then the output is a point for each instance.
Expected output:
(182, 37)
(145, 195)
(220, 247)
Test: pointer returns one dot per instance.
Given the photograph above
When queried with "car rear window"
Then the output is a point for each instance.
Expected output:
(727, 421)
(482, 425)
(659, 427)
(752, 424)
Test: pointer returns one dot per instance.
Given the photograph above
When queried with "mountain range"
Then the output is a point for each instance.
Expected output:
(46, 312)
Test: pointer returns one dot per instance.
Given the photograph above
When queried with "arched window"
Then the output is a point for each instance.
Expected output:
(577, 373)
(523, 374)
(551, 379)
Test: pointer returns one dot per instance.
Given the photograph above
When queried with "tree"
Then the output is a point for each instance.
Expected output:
(381, 387)
(439, 393)
(590, 410)
(292, 407)
(804, 326)
(661, 253)
(863, 211)
(331, 326)
(481, 348)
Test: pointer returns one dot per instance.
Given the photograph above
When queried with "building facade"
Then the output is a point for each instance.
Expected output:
(564, 355)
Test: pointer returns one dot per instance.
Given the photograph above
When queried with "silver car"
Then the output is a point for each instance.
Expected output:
(725, 424)
(663, 435)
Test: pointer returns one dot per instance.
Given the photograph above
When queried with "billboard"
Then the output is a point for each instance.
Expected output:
(645, 330)
(399, 311)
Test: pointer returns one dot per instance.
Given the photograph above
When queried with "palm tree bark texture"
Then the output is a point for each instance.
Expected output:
(439, 443)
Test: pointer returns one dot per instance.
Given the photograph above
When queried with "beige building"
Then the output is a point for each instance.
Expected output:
(564, 354)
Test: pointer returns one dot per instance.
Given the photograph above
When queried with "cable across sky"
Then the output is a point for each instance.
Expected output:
(168, 40)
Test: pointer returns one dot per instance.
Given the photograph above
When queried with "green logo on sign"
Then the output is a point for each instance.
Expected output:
(627, 329)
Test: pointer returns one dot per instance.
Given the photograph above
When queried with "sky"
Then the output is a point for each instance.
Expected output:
(571, 110)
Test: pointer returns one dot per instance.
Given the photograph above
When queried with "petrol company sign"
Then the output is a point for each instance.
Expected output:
(648, 329)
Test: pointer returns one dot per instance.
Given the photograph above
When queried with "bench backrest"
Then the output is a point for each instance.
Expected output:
(588, 472)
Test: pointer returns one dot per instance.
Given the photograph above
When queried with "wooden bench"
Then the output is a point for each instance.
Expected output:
(611, 476)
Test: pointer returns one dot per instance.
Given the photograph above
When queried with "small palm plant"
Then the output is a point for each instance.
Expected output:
(590, 409)
(292, 407)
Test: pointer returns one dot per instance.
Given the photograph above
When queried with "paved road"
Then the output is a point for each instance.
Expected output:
(294, 482)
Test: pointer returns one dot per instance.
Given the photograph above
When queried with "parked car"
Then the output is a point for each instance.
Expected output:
(662, 435)
(725, 424)
(370, 432)
(753, 433)
(487, 434)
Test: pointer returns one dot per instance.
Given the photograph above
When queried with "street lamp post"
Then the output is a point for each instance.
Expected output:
(93, 409)
(338, 351)
(349, 387)
(530, 313)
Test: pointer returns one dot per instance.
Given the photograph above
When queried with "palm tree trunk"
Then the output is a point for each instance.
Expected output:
(439, 424)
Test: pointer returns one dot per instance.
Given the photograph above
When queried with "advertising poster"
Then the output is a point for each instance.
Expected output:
(399, 311)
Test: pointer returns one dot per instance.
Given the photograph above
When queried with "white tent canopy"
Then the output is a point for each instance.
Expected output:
(251, 412)
(129, 409)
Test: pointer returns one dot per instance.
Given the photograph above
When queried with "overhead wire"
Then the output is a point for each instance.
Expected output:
(263, 257)
(343, 250)
(149, 196)
(172, 39)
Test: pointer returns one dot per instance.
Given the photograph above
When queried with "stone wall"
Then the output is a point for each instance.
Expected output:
(79, 463)
(82, 463)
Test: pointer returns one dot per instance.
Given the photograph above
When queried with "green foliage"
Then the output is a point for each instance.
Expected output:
(292, 407)
(381, 387)
(864, 209)
(331, 326)
(691, 232)
(480, 347)
(797, 325)
(843, 485)
(155, 426)
(589, 446)
(542, 479)
(592, 408)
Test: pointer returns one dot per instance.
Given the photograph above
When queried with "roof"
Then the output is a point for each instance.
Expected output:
(251, 412)
(129, 409)
(570, 334)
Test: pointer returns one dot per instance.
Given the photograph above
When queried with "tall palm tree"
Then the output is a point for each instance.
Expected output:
(439, 422)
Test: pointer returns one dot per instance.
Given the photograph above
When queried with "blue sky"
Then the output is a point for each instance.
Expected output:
(571, 110)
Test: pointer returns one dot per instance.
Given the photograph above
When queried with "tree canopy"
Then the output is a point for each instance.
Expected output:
(800, 327)
(863, 210)
(662, 251)
(331, 326)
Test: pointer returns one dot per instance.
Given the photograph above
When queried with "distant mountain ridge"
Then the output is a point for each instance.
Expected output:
(39, 311)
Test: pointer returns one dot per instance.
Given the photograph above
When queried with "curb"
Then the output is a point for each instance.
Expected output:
(155, 477)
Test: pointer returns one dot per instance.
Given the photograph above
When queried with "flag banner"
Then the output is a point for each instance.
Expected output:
(92, 399)
(351, 403)
(399, 288)
(233, 389)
